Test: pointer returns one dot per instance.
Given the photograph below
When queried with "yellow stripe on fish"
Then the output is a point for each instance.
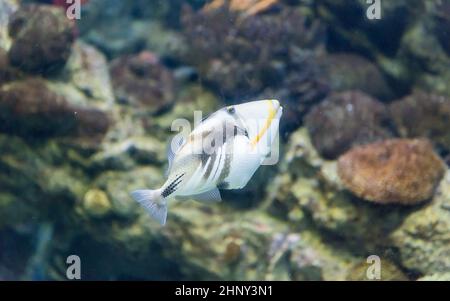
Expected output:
(272, 114)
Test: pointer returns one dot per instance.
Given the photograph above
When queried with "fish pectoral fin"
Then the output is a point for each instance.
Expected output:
(210, 196)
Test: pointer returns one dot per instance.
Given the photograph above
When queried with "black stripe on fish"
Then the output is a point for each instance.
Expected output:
(171, 188)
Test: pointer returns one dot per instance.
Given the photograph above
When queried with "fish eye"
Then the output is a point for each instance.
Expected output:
(231, 110)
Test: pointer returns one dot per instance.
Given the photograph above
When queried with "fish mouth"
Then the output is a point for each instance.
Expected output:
(276, 106)
(275, 111)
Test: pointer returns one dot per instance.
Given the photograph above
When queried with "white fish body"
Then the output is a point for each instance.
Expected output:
(223, 151)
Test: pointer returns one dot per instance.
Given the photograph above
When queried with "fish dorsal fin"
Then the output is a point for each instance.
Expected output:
(172, 148)
(210, 196)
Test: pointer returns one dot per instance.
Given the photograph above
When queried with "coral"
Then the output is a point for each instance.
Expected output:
(240, 50)
(423, 115)
(142, 81)
(423, 239)
(75, 143)
(42, 38)
(309, 189)
(42, 112)
(346, 119)
(352, 72)
(397, 171)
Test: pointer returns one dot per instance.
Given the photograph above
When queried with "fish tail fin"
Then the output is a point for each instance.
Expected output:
(153, 202)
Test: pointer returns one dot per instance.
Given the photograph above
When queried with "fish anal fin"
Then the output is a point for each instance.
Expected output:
(210, 196)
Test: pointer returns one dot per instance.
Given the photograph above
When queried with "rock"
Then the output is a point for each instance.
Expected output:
(96, 203)
(423, 115)
(42, 38)
(423, 238)
(125, 154)
(436, 277)
(309, 189)
(239, 51)
(396, 171)
(351, 30)
(51, 179)
(440, 11)
(352, 72)
(7, 72)
(422, 60)
(344, 120)
(41, 113)
(142, 81)
(88, 71)
(118, 28)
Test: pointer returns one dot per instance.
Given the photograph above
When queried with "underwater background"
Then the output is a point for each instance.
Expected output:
(86, 107)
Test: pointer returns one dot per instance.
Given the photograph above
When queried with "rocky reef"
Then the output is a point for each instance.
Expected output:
(393, 171)
(86, 108)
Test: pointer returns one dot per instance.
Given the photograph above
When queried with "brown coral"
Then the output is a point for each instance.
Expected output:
(423, 115)
(42, 38)
(240, 51)
(142, 81)
(344, 120)
(29, 108)
(399, 171)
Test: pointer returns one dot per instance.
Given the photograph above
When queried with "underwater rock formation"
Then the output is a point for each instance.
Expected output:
(41, 112)
(242, 49)
(310, 190)
(441, 13)
(345, 72)
(294, 221)
(397, 171)
(344, 120)
(7, 72)
(42, 38)
(423, 115)
(423, 238)
(124, 27)
(142, 81)
(350, 29)
(88, 71)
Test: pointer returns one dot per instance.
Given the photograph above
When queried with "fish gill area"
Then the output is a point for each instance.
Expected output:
(86, 108)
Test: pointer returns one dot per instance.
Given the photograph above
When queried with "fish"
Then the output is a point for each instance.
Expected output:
(222, 152)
